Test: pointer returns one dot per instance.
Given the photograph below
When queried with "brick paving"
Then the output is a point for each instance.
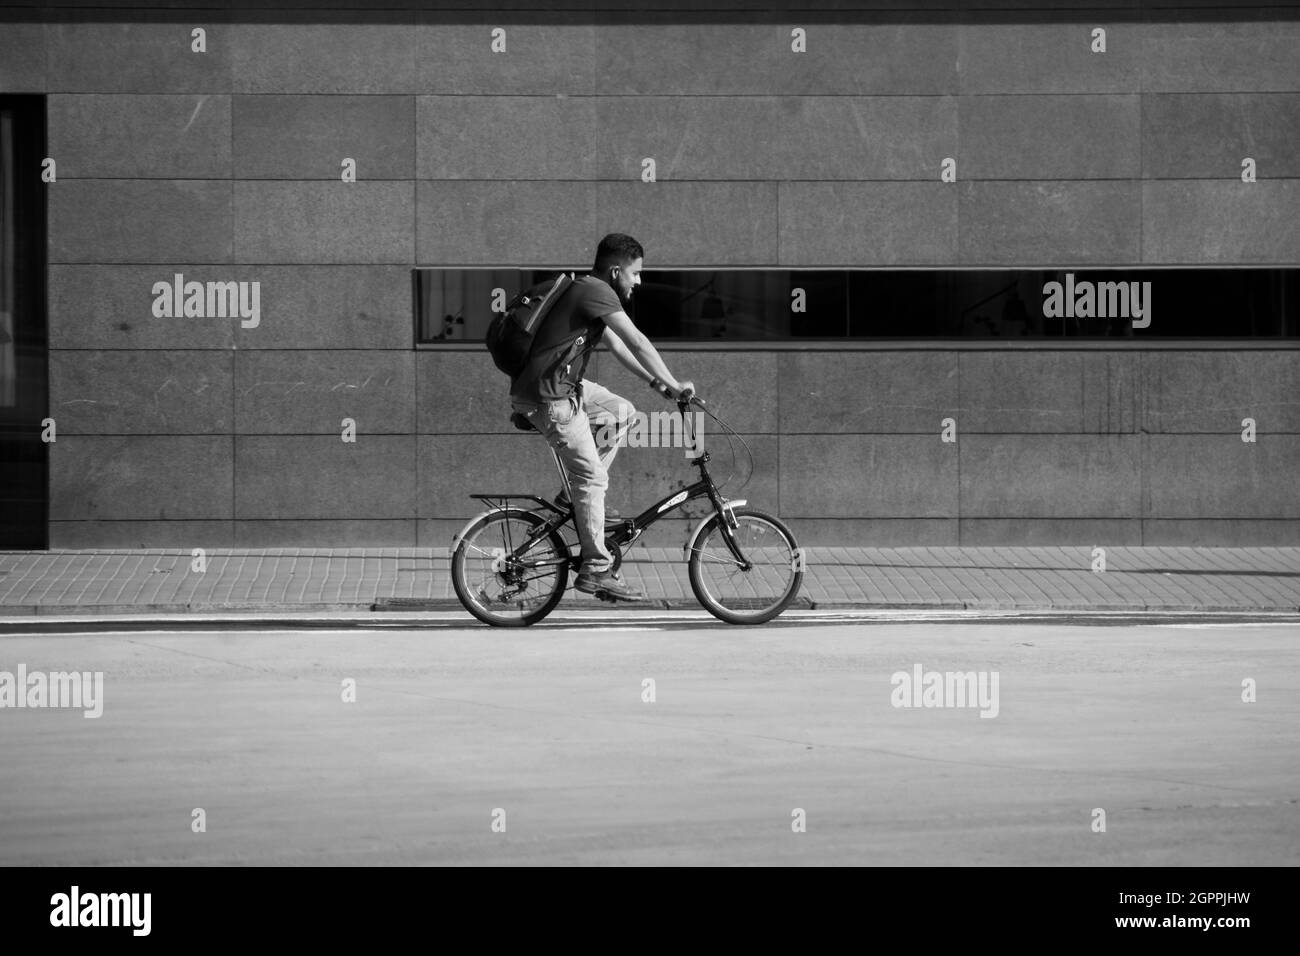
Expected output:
(306, 579)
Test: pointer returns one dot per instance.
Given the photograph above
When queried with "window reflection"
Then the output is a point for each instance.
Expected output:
(790, 305)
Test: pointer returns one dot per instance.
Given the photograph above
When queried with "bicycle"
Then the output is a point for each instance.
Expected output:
(510, 565)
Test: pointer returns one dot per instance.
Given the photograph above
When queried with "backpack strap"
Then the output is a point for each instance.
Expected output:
(561, 285)
(553, 294)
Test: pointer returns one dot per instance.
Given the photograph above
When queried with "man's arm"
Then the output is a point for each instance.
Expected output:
(631, 347)
(626, 358)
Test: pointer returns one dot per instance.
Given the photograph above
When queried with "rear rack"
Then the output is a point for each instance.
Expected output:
(504, 499)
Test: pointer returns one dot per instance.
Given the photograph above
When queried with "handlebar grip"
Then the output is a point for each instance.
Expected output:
(662, 388)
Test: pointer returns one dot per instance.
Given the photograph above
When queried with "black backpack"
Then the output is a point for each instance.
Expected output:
(511, 333)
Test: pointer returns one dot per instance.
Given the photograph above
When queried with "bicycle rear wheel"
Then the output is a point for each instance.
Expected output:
(736, 594)
(507, 591)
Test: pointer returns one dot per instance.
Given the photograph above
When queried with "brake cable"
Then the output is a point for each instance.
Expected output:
(732, 433)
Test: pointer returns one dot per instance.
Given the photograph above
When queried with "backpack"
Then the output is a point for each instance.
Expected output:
(511, 333)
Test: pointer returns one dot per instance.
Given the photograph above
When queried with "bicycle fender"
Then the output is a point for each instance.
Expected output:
(690, 542)
(455, 539)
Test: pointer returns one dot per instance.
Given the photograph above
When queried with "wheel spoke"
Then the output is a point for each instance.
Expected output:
(717, 559)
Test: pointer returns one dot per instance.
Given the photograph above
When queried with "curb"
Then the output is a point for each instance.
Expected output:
(28, 610)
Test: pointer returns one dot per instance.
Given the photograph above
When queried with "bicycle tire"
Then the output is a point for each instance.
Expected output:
(760, 611)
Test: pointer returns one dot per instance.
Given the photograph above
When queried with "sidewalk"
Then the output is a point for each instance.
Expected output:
(363, 579)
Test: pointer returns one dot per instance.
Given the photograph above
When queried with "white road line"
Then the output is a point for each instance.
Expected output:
(604, 630)
(1295, 624)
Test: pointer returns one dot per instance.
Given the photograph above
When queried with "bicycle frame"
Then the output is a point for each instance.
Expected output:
(627, 531)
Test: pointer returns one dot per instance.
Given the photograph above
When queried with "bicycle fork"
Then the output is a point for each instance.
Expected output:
(724, 510)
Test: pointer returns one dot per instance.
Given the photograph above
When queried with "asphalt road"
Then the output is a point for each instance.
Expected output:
(453, 724)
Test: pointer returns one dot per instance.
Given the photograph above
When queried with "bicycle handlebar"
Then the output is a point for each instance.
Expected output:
(693, 399)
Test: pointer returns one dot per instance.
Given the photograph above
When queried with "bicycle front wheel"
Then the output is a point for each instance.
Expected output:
(507, 571)
(756, 589)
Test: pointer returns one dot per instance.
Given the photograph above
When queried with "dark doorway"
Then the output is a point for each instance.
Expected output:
(24, 397)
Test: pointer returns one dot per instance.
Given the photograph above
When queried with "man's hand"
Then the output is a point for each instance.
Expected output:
(681, 392)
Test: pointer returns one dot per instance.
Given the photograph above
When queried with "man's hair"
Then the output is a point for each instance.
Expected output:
(617, 249)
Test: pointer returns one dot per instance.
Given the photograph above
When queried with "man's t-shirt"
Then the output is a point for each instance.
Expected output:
(564, 343)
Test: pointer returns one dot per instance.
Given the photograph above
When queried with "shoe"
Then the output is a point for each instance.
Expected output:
(607, 585)
(562, 502)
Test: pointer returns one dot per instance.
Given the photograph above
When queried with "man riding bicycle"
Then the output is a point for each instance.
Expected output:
(555, 398)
